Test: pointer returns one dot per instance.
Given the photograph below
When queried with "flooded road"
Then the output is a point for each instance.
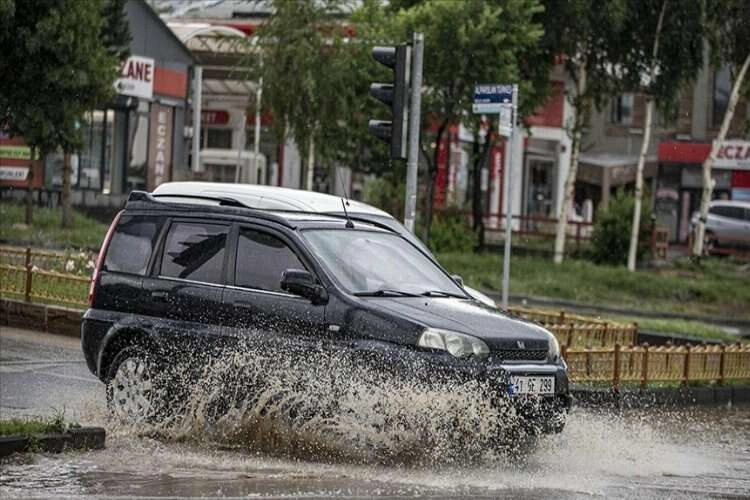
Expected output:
(694, 453)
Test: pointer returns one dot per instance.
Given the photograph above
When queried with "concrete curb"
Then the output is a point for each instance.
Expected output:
(42, 317)
(667, 397)
(84, 438)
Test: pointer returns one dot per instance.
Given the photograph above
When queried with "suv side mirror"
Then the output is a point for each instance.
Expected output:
(301, 282)
(458, 279)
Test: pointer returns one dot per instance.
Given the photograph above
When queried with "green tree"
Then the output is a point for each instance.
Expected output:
(306, 72)
(466, 43)
(66, 59)
(662, 51)
(729, 37)
(585, 34)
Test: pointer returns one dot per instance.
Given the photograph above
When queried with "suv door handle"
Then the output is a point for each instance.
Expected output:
(242, 304)
(159, 294)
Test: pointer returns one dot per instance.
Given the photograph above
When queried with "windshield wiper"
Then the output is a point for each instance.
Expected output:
(440, 293)
(385, 293)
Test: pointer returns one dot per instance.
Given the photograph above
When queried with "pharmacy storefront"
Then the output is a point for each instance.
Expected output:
(680, 180)
(138, 140)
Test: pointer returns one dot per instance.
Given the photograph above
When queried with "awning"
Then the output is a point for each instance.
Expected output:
(612, 169)
(683, 152)
(223, 52)
(612, 160)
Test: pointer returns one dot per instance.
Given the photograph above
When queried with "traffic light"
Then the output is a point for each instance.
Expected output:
(395, 95)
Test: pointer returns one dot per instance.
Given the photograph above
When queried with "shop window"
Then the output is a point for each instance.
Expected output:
(91, 156)
(219, 138)
(621, 110)
(722, 88)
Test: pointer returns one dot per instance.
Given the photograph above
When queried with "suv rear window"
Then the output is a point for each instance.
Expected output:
(132, 244)
(195, 251)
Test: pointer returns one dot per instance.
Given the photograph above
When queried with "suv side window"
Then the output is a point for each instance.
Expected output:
(132, 244)
(195, 251)
(261, 259)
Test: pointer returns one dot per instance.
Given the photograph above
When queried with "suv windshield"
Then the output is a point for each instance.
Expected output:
(379, 263)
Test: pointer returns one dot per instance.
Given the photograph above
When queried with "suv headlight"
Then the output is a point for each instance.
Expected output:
(457, 344)
(553, 353)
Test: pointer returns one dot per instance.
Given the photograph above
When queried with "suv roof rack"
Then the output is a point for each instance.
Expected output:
(142, 199)
(225, 201)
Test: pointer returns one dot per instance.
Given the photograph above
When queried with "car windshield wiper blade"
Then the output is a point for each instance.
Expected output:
(440, 293)
(385, 293)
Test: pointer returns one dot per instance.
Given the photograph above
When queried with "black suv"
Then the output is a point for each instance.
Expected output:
(174, 271)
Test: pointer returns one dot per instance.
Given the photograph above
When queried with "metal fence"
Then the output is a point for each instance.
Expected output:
(644, 364)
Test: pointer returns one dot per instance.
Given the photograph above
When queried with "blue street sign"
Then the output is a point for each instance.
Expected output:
(489, 98)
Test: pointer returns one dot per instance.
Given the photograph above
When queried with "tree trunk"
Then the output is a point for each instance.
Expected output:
(65, 197)
(29, 216)
(431, 176)
(636, 225)
(310, 164)
(570, 181)
(708, 184)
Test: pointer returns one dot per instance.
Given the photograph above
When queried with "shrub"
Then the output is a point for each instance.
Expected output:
(451, 232)
(611, 237)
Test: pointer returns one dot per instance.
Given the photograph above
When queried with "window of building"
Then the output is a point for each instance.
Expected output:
(722, 88)
(132, 244)
(261, 260)
(195, 252)
(219, 138)
(621, 110)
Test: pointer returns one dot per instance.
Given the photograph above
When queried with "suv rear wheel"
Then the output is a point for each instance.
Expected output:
(132, 388)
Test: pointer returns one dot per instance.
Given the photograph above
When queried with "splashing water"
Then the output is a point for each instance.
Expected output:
(330, 406)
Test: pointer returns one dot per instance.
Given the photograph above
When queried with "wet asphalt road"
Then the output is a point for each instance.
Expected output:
(695, 453)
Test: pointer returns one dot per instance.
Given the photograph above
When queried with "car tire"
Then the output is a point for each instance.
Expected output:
(133, 387)
(710, 243)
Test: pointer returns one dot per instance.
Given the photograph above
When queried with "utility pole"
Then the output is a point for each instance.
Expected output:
(508, 194)
(412, 163)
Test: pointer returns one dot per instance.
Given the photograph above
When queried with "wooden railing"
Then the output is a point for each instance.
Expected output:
(45, 276)
(644, 364)
(573, 330)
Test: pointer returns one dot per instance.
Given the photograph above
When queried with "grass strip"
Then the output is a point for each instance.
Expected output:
(27, 427)
(46, 230)
(716, 287)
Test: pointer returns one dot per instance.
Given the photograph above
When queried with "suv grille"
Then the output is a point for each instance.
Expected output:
(522, 354)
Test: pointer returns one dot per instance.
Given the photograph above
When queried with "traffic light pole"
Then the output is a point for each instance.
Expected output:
(410, 209)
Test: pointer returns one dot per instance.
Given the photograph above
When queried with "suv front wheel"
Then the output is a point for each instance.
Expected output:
(132, 386)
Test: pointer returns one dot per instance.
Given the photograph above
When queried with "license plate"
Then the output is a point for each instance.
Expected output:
(531, 385)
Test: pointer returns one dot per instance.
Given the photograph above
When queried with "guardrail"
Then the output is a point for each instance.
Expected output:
(644, 364)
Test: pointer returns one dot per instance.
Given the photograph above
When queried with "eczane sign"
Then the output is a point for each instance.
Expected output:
(733, 155)
(137, 77)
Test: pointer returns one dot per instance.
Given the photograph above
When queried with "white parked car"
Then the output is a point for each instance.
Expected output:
(279, 198)
(727, 225)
